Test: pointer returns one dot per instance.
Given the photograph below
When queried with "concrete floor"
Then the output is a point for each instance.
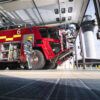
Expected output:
(50, 85)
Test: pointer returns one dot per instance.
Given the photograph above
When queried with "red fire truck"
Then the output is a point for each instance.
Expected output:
(46, 46)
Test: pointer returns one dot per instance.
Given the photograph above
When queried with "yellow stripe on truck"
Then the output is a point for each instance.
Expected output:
(9, 39)
(17, 36)
(2, 37)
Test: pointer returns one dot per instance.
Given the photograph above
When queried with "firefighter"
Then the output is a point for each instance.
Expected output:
(11, 48)
(15, 54)
(62, 38)
(28, 50)
(1, 49)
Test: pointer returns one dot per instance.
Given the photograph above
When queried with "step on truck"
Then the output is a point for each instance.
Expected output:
(46, 52)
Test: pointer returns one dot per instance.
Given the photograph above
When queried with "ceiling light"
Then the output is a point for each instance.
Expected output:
(63, 19)
(63, 10)
(70, 9)
(57, 19)
(70, 0)
(69, 18)
(56, 11)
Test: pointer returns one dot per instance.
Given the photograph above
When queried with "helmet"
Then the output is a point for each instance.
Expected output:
(29, 38)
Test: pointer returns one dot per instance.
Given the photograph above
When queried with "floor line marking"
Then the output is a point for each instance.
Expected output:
(87, 87)
(53, 88)
(19, 88)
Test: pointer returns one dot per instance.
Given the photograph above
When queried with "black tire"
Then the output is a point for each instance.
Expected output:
(52, 65)
(2, 67)
(13, 66)
(40, 63)
(25, 66)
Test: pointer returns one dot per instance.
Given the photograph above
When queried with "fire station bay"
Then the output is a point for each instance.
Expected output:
(49, 49)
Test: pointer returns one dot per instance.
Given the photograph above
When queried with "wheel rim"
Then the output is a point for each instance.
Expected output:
(34, 60)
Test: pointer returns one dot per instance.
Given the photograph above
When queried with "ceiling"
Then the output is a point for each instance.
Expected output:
(41, 12)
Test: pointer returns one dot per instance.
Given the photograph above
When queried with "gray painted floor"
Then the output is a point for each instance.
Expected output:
(49, 89)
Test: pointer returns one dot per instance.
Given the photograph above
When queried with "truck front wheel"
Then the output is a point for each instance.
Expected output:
(51, 65)
(37, 60)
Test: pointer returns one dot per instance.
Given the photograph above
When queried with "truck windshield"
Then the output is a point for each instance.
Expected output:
(49, 33)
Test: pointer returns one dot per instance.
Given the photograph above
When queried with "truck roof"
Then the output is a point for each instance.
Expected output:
(23, 27)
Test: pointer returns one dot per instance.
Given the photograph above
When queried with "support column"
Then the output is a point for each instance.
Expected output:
(75, 48)
(82, 49)
(87, 28)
